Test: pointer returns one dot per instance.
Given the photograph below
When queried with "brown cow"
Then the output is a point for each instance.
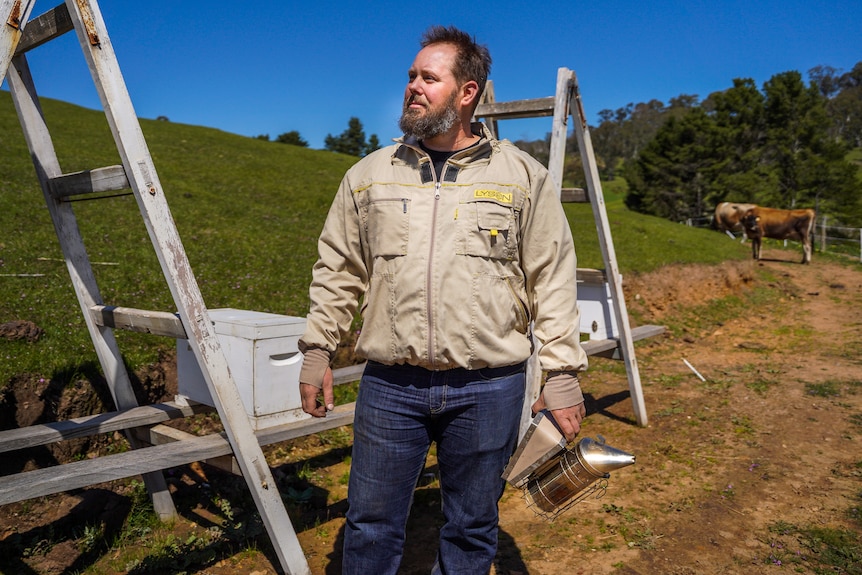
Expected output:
(728, 215)
(762, 223)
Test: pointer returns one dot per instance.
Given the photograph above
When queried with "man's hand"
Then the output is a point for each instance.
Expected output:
(310, 394)
(568, 418)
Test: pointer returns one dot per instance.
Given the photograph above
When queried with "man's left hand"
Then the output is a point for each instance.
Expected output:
(569, 420)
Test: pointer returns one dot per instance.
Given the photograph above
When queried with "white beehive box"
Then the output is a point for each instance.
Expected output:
(264, 360)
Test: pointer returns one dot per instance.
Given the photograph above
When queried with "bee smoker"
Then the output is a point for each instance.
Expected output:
(553, 476)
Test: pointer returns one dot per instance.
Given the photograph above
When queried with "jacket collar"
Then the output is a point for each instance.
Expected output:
(487, 146)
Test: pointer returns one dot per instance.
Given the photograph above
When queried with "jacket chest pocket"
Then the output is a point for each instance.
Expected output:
(488, 229)
(386, 224)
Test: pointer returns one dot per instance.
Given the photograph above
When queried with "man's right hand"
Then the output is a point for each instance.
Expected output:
(310, 396)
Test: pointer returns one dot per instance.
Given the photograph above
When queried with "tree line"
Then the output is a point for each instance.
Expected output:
(784, 145)
(351, 141)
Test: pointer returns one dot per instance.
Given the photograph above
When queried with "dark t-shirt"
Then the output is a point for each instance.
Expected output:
(439, 158)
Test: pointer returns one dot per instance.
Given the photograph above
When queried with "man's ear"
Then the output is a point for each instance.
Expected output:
(469, 94)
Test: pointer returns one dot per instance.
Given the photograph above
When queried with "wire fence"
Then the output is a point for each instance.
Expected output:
(838, 239)
(835, 239)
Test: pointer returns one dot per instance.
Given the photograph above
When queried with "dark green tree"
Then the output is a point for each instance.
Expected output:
(352, 140)
(772, 148)
(740, 136)
(796, 134)
(373, 144)
(622, 133)
(844, 105)
(293, 138)
(672, 175)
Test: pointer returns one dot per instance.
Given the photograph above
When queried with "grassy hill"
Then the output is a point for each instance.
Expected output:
(249, 213)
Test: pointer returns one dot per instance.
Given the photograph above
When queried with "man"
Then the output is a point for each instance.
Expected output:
(457, 245)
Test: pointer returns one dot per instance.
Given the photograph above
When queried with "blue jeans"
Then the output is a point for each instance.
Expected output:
(400, 410)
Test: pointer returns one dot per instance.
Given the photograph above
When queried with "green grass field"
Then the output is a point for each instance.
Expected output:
(249, 213)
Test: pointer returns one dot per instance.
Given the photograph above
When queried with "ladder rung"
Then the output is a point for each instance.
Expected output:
(592, 276)
(77, 474)
(144, 321)
(534, 108)
(574, 195)
(610, 348)
(51, 432)
(44, 28)
(89, 182)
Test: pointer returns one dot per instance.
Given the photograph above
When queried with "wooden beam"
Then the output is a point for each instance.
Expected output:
(610, 348)
(534, 108)
(43, 434)
(107, 179)
(79, 474)
(573, 196)
(44, 28)
(591, 276)
(139, 320)
(349, 374)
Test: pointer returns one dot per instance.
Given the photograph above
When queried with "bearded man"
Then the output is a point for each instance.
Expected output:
(458, 248)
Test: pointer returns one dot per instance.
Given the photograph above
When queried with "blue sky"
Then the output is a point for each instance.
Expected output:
(270, 67)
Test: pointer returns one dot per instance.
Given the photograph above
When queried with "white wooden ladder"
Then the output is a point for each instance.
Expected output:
(610, 322)
(20, 34)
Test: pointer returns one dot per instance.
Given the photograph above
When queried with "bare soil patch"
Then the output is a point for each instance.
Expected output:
(760, 431)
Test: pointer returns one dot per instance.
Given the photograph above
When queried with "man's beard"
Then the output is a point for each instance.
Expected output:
(430, 124)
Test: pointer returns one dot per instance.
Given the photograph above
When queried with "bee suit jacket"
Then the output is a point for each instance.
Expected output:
(450, 273)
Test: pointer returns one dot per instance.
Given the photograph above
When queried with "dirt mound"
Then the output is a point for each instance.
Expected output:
(21, 329)
(658, 293)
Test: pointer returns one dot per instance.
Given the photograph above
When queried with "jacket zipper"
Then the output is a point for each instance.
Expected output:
(522, 312)
(429, 272)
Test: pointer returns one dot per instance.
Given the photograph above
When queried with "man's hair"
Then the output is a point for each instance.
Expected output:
(473, 61)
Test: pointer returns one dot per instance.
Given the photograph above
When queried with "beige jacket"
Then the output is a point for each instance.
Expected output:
(454, 272)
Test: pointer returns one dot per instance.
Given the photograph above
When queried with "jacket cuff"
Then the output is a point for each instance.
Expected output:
(562, 389)
(315, 360)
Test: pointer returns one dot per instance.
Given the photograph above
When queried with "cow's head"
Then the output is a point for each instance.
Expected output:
(751, 224)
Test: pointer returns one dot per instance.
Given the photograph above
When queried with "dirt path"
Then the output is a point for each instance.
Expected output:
(723, 461)
(730, 469)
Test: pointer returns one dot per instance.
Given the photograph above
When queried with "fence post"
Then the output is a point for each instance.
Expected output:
(823, 234)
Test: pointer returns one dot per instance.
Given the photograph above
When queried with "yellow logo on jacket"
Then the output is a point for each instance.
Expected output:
(504, 197)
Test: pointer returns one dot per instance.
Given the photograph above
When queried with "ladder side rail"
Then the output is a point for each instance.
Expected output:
(555, 168)
(78, 264)
(103, 65)
(559, 130)
(11, 30)
(610, 260)
(489, 98)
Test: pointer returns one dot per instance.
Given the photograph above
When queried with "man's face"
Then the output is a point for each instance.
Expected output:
(431, 97)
